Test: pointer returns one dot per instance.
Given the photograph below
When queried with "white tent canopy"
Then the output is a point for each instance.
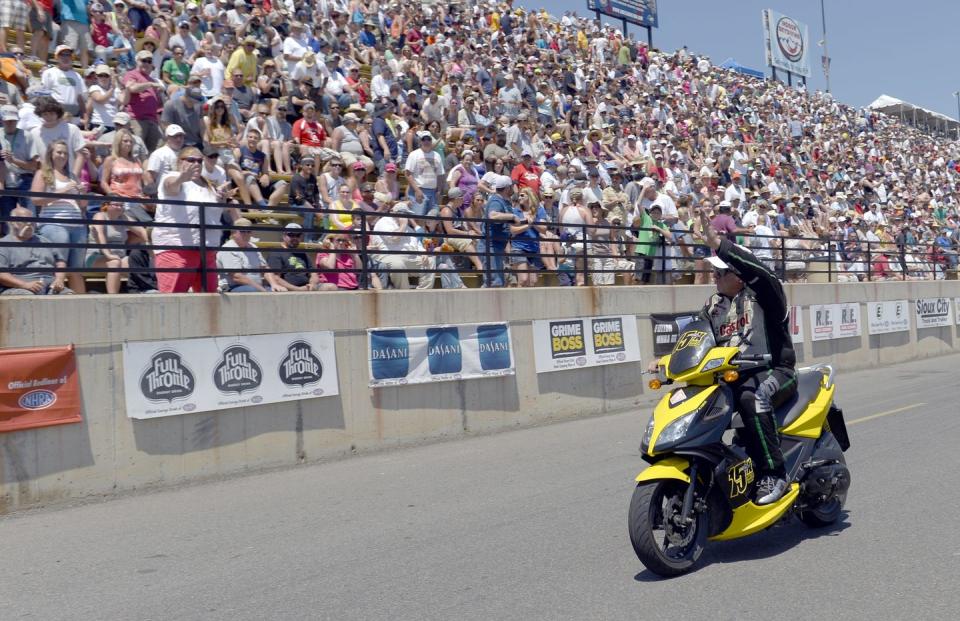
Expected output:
(915, 115)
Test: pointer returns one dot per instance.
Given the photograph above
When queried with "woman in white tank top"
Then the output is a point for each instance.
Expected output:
(54, 176)
(572, 216)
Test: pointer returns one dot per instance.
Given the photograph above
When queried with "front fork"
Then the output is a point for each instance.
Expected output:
(685, 517)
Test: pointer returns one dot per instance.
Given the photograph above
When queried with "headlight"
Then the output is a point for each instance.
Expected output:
(713, 364)
(648, 433)
(676, 430)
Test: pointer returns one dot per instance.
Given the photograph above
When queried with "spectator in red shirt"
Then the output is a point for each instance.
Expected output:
(308, 132)
(526, 174)
(340, 254)
(144, 105)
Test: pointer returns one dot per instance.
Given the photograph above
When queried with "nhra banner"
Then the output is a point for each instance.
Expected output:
(420, 354)
(834, 321)
(39, 388)
(667, 328)
(934, 312)
(585, 342)
(887, 317)
(166, 378)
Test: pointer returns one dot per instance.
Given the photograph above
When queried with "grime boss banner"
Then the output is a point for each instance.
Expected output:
(167, 378)
(580, 342)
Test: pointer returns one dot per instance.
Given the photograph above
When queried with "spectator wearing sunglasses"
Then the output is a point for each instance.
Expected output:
(144, 100)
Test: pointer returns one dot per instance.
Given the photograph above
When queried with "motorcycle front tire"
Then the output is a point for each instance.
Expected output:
(644, 515)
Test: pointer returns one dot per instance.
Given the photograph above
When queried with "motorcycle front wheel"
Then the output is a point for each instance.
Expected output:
(665, 547)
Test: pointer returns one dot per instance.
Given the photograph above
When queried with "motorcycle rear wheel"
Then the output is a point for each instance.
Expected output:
(675, 550)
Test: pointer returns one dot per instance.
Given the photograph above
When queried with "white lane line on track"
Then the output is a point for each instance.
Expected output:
(887, 413)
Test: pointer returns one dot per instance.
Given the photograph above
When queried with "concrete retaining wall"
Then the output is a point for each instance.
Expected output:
(108, 452)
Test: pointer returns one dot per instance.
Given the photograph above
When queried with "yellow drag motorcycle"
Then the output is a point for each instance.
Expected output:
(700, 483)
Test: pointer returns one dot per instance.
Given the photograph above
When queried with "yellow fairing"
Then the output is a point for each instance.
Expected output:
(669, 468)
(810, 423)
(751, 518)
(698, 376)
(664, 413)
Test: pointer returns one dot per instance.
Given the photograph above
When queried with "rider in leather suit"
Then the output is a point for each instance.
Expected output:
(749, 311)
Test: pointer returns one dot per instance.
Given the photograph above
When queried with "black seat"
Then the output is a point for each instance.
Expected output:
(808, 387)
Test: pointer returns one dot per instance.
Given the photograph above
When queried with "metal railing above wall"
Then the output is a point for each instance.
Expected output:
(579, 252)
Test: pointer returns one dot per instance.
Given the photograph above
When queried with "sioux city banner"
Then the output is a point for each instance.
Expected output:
(580, 342)
(38, 388)
(934, 312)
(166, 378)
(887, 317)
(667, 328)
(834, 321)
(420, 354)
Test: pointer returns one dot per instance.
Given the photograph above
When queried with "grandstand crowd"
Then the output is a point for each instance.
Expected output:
(577, 147)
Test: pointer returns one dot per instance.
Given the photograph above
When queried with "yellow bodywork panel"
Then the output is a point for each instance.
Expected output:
(810, 423)
(664, 413)
(751, 518)
(669, 468)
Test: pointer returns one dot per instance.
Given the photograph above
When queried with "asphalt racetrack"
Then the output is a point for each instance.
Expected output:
(529, 524)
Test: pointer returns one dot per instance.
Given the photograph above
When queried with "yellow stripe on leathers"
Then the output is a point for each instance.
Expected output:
(751, 518)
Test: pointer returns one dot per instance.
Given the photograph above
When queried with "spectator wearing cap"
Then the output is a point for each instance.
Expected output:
(212, 171)
(19, 160)
(185, 40)
(103, 144)
(143, 105)
(165, 159)
(336, 88)
(386, 132)
(526, 174)
(497, 233)
(308, 132)
(392, 234)
(242, 66)
(239, 253)
(185, 111)
(346, 141)
(388, 183)
(187, 184)
(64, 84)
(424, 172)
(105, 99)
(75, 28)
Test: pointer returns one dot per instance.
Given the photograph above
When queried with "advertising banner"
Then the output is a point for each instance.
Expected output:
(834, 321)
(639, 12)
(667, 328)
(934, 312)
(420, 354)
(956, 310)
(787, 43)
(887, 317)
(167, 378)
(795, 321)
(580, 342)
(39, 388)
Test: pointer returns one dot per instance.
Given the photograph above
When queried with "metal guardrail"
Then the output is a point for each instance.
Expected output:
(662, 263)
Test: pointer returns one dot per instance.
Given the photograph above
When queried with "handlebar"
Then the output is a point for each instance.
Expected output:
(756, 358)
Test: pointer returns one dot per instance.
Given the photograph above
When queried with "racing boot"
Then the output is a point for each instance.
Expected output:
(770, 489)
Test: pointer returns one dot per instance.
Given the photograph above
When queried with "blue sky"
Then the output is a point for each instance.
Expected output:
(907, 50)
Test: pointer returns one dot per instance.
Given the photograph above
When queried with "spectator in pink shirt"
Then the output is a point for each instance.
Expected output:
(144, 106)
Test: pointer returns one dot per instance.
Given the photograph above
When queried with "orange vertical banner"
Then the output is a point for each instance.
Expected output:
(38, 388)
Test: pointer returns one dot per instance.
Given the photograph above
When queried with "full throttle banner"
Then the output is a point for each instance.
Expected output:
(38, 388)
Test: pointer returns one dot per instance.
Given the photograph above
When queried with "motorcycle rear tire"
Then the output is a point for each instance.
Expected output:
(641, 519)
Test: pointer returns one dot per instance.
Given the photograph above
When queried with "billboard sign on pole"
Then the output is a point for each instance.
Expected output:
(639, 12)
(787, 43)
